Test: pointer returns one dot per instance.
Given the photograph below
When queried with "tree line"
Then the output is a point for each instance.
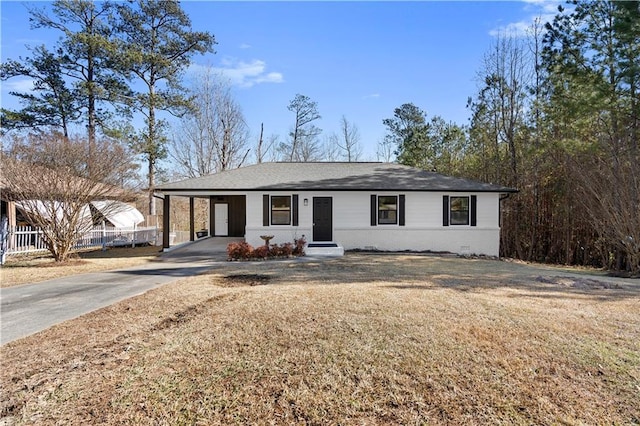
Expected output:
(555, 116)
(559, 114)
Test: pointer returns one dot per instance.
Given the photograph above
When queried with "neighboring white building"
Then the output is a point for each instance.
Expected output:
(369, 206)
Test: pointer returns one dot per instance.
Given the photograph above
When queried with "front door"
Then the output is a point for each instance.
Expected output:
(221, 213)
(322, 219)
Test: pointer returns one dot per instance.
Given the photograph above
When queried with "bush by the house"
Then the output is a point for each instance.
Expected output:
(283, 250)
(241, 250)
(298, 246)
(244, 251)
(261, 252)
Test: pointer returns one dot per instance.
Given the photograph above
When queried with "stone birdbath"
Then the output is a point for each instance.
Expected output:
(266, 239)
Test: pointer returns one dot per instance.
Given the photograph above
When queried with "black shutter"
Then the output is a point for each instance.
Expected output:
(474, 216)
(445, 210)
(294, 209)
(401, 210)
(265, 210)
(374, 210)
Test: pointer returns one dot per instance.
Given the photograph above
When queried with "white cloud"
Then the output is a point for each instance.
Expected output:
(517, 29)
(542, 11)
(18, 85)
(544, 6)
(371, 96)
(245, 46)
(247, 74)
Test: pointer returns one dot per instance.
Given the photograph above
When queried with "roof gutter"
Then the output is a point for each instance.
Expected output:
(295, 188)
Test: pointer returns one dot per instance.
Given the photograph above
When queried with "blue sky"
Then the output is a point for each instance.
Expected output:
(357, 59)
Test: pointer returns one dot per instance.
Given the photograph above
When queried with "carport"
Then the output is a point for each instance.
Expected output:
(227, 213)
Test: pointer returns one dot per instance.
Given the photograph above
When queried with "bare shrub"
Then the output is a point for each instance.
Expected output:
(610, 197)
(53, 179)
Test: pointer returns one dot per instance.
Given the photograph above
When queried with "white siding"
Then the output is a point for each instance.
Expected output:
(423, 228)
(281, 233)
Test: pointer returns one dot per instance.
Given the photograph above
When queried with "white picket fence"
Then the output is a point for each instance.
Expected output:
(25, 239)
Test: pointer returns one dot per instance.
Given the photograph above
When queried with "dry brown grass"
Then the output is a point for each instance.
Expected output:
(38, 268)
(360, 340)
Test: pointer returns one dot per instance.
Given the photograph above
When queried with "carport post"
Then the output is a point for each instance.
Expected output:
(212, 216)
(191, 221)
(166, 227)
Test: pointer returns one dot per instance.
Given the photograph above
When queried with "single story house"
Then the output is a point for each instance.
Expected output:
(363, 205)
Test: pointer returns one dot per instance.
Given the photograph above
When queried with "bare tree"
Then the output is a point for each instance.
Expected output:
(265, 150)
(498, 121)
(309, 148)
(51, 181)
(386, 150)
(349, 140)
(213, 136)
(610, 197)
(304, 144)
(331, 150)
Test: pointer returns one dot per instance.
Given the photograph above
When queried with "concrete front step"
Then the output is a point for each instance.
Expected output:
(325, 248)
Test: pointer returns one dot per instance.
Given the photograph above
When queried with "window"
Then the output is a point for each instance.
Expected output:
(281, 210)
(459, 211)
(387, 210)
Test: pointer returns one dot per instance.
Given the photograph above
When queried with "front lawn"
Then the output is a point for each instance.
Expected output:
(365, 339)
(24, 269)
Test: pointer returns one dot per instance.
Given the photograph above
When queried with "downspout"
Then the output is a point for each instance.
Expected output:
(502, 197)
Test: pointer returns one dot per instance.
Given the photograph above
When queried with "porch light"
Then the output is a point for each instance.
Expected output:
(306, 201)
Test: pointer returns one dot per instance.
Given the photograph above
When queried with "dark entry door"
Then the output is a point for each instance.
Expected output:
(322, 219)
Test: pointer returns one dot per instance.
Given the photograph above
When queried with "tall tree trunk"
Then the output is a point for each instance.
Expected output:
(260, 141)
(91, 111)
(294, 143)
(152, 151)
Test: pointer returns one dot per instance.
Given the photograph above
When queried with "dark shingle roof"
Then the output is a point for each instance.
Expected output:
(330, 176)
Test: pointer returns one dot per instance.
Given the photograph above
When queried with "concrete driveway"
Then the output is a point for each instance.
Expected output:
(29, 308)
